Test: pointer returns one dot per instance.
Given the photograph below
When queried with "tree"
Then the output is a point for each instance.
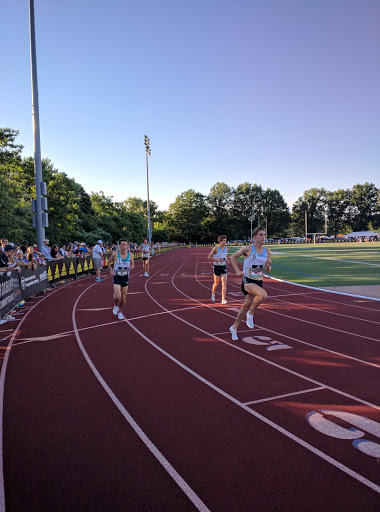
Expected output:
(313, 202)
(219, 204)
(247, 204)
(275, 213)
(338, 203)
(363, 205)
(186, 217)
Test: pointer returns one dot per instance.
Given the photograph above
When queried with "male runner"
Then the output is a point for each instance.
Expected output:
(123, 263)
(145, 248)
(256, 258)
(218, 256)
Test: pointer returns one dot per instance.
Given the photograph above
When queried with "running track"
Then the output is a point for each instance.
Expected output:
(163, 412)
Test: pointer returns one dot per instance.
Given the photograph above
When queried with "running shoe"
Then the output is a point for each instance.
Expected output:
(98, 279)
(224, 301)
(120, 315)
(115, 310)
(249, 321)
(212, 298)
(234, 335)
(146, 274)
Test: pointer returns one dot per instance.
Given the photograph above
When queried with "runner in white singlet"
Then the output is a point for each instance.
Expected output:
(257, 258)
(122, 264)
(145, 249)
(218, 256)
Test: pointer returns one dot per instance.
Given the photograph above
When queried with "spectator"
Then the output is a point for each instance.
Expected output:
(97, 259)
(6, 260)
(31, 258)
(4, 242)
(54, 253)
(62, 251)
(70, 250)
(45, 250)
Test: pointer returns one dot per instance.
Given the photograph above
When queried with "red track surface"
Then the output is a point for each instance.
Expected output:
(163, 412)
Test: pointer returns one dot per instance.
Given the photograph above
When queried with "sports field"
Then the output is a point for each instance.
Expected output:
(325, 265)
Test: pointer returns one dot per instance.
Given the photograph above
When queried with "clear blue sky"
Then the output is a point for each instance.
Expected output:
(283, 93)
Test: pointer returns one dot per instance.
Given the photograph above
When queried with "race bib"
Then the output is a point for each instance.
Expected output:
(256, 271)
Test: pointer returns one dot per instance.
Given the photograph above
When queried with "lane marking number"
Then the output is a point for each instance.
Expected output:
(360, 426)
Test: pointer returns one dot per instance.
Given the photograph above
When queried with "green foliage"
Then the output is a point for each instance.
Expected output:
(76, 215)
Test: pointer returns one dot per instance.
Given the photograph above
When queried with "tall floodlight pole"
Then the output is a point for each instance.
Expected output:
(147, 152)
(306, 226)
(40, 204)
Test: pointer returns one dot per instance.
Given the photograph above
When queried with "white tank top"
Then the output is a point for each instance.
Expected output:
(146, 250)
(122, 266)
(254, 265)
(220, 254)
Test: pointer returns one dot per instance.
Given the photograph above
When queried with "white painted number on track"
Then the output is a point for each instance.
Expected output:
(318, 421)
(267, 342)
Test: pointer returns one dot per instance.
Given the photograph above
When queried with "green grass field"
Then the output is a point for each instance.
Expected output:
(347, 264)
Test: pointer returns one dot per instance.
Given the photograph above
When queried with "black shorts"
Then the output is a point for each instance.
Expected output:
(220, 270)
(121, 280)
(246, 280)
(146, 258)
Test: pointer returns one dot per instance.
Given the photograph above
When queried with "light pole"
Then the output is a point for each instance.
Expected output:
(306, 226)
(147, 152)
(40, 219)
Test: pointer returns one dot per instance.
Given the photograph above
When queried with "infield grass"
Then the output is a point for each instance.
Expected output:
(343, 264)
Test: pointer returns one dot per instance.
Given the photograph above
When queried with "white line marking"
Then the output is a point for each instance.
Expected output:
(281, 334)
(198, 503)
(285, 395)
(288, 434)
(251, 354)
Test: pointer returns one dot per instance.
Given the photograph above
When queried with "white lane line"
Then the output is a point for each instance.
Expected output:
(313, 308)
(265, 420)
(2, 383)
(323, 289)
(281, 334)
(285, 395)
(193, 497)
(251, 354)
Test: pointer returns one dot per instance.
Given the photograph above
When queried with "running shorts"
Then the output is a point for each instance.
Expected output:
(121, 280)
(246, 280)
(220, 270)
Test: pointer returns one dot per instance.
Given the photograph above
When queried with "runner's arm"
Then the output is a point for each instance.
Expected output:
(235, 255)
(269, 261)
(210, 257)
(111, 259)
(132, 261)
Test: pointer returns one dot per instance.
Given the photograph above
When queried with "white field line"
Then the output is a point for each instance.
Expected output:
(269, 399)
(317, 324)
(2, 383)
(265, 420)
(285, 335)
(321, 291)
(271, 363)
(193, 497)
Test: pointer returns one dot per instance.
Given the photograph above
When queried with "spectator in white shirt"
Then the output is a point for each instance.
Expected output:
(97, 259)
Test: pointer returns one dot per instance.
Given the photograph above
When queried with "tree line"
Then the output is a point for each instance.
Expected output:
(75, 214)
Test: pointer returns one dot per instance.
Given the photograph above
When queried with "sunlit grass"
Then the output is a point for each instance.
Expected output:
(327, 264)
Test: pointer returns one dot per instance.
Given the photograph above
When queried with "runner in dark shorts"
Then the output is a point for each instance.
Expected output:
(122, 261)
(256, 259)
(218, 256)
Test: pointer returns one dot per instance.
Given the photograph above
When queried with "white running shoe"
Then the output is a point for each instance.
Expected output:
(234, 335)
(249, 321)
(120, 315)
(146, 274)
(212, 298)
(224, 301)
(115, 310)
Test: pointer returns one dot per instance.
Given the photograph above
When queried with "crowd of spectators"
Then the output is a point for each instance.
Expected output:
(14, 256)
